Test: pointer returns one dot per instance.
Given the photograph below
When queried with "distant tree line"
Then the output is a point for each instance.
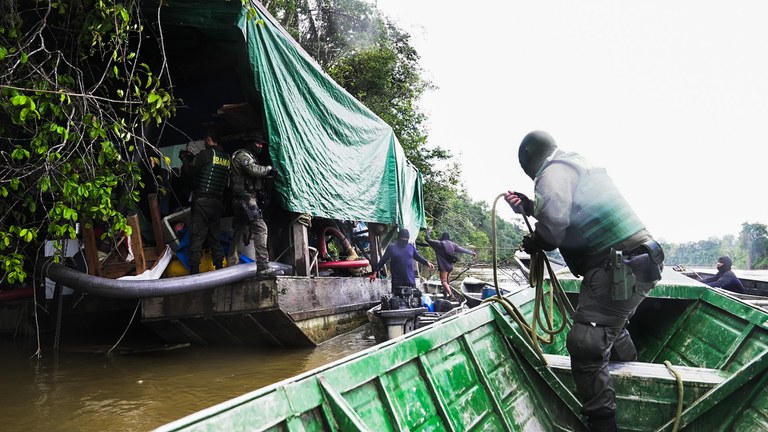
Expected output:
(748, 251)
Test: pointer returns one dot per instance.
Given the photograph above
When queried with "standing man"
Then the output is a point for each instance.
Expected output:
(210, 171)
(579, 210)
(445, 252)
(725, 278)
(402, 253)
(248, 200)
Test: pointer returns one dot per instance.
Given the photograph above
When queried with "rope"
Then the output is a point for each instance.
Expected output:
(680, 393)
(109, 353)
(556, 298)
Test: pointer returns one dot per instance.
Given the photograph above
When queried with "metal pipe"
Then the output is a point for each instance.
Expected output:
(135, 289)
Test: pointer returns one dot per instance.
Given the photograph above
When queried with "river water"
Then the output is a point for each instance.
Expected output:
(141, 386)
(82, 390)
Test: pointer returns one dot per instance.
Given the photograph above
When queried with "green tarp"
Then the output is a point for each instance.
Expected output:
(335, 157)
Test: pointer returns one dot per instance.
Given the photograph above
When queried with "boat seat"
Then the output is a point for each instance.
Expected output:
(656, 371)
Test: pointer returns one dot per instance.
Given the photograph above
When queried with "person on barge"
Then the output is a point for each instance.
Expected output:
(210, 170)
(249, 194)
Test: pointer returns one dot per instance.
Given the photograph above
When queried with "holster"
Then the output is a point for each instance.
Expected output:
(623, 277)
(250, 209)
(642, 264)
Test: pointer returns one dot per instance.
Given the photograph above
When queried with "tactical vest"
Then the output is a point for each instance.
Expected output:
(243, 185)
(600, 216)
(212, 177)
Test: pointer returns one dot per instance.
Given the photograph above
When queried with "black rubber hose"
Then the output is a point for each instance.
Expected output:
(136, 289)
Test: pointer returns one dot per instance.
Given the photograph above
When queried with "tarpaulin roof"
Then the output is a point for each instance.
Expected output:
(336, 159)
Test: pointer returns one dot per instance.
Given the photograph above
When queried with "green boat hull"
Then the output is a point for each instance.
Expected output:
(476, 372)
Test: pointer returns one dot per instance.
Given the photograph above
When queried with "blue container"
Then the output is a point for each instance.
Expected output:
(488, 292)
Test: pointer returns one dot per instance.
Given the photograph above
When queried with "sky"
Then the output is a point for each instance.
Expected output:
(670, 97)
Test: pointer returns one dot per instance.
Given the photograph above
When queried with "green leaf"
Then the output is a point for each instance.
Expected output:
(19, 100)
(3, 53)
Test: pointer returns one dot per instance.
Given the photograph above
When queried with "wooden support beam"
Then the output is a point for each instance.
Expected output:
(157, 224)
(301, 261)
(91, 251)
(136, 244)
(374, 230)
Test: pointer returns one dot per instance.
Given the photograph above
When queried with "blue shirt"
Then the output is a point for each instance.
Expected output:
(402, 255)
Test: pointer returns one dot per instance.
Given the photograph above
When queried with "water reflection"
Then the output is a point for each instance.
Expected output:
(77, 391)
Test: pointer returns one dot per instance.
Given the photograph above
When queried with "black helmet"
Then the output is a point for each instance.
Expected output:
(534, 149)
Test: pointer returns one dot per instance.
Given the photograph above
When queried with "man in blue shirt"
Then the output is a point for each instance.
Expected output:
(402, 254)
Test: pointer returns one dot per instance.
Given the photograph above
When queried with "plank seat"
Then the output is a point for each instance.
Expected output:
(652, 371)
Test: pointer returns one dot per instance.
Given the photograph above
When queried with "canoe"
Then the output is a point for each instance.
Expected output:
(703, 366)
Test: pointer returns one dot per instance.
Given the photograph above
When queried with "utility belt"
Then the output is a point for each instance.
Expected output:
(641, 264)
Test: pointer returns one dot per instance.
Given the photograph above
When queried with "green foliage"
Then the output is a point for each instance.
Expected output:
(750, 251)
(374, 61)
(754, 241)
(73, 100)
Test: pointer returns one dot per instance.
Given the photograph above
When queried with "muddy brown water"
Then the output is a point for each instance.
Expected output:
(80, 388)
(84, 390)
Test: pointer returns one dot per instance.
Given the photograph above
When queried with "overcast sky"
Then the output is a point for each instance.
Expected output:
(670, 97)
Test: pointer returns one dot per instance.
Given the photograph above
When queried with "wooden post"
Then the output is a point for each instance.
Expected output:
(300, 249)
(91, 251)
(136, 244)
(157, 227)
(374, 230)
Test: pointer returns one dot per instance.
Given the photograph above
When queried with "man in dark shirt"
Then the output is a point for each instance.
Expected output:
(210, 171)
(725, 278)
(445, 253)
(402, 254)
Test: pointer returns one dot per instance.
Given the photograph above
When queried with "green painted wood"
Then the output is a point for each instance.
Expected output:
(477, 372)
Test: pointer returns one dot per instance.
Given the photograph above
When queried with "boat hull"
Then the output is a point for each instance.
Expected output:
(282, 311)
(475, 371)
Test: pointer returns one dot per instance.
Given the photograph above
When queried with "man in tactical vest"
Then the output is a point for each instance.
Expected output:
(248, 200)
(580, 211)
(210, 171)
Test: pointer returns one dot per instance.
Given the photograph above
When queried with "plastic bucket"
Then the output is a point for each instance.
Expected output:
(488, 292)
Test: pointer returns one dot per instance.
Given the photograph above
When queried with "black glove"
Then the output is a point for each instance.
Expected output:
(525, 203)
(530, 246)
(185, 155)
